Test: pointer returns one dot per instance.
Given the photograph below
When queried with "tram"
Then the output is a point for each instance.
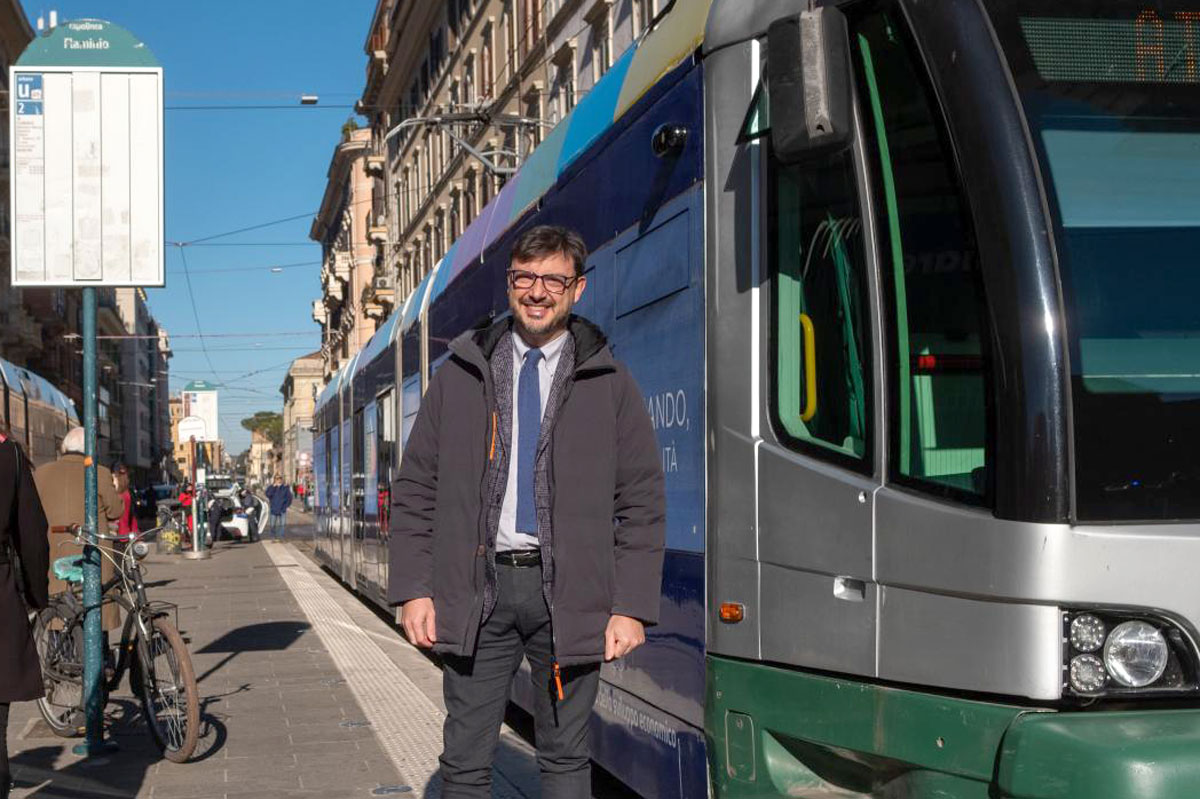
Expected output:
(908, 287)
(36, 414)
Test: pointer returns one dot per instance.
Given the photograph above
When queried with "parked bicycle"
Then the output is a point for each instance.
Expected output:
(151, 650)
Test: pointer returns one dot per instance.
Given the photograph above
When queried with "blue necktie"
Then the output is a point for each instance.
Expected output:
(529, 428)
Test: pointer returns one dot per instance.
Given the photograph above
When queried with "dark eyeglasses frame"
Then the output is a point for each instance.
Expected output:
(513, 275)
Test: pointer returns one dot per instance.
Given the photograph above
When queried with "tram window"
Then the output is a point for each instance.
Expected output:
(938, 362)
(821, 369)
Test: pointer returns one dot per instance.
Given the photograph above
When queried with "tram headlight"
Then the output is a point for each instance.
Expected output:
(1087, 674)
(1125, 653)
(1135, 654)
(1087, 632)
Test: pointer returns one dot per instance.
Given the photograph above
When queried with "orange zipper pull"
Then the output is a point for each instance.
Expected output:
(558, 681)
(492, 448)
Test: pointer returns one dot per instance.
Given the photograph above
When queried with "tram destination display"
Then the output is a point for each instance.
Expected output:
(1117, 45)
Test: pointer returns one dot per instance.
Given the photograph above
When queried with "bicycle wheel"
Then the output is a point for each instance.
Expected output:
(166, 683)
(59, 642)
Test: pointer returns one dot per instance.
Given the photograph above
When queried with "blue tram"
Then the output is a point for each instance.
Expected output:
(36, 413)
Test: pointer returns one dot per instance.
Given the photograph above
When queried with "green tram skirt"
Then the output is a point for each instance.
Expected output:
(775, 732)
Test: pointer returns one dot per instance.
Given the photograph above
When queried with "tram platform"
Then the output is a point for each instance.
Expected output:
(305, 691)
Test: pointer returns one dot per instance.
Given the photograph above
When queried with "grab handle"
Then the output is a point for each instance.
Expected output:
(810, 368)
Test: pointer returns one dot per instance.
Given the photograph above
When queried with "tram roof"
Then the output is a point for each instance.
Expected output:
(26, 383)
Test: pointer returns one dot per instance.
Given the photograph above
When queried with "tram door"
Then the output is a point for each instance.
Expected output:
(357, 554)
(816, 464)
(793, 354)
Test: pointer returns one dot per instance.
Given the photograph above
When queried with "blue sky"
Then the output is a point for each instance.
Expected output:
(233, 169)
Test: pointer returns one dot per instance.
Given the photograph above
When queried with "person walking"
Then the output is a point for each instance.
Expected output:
(280, 497)
(128, 523)
(528, 519)
(24, 586)
(60, 486)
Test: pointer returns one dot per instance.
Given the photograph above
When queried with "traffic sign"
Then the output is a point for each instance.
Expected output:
(86, 194)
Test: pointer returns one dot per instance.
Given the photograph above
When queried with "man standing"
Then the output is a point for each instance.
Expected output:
(528, 519)
(280, 497)
(60, 485)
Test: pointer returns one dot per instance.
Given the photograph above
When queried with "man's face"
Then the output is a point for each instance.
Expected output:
(540, 313)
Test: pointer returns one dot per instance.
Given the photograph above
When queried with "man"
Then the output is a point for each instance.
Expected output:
(60, 485)
(528, 519)
(280, 497)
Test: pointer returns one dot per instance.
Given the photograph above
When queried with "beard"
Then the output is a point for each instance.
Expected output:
(554, 320)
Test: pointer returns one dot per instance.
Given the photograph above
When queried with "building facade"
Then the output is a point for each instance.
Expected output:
(20, 331)
(349, 309)
(263, 462)
(304, 379)
(458, 93)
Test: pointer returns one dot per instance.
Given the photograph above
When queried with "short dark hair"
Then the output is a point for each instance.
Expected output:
(543, 240)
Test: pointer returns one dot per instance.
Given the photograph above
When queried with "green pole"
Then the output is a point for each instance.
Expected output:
(93, 656)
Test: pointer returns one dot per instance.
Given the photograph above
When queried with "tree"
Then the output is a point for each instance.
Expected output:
(268, 423)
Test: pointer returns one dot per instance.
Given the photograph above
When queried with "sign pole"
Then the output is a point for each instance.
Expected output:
(93, 635)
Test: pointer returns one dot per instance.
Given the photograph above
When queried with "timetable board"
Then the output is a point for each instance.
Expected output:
(87, 163)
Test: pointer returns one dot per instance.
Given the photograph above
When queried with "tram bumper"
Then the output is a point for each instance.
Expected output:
(1151, 754)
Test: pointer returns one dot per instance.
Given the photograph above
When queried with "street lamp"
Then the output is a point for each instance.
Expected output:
(309, 99)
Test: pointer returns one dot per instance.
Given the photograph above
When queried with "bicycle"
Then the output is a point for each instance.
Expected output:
(151, 649)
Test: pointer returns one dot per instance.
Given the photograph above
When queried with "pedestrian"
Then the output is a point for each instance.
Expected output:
(24, 586)
(186, 498)
(127, 525)
(280, 497)
(60, 486)
(300, 495)
(528, 518)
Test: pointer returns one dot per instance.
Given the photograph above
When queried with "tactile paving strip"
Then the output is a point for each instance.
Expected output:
(407, 724)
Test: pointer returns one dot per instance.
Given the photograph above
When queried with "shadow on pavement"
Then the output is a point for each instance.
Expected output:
(269, 636)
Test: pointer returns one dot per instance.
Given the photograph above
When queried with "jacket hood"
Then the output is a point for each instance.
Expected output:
(591, 345)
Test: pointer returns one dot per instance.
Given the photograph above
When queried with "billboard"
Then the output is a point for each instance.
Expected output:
(200, 401)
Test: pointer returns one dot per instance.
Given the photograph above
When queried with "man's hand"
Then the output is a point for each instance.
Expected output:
(624, 634)
(417, 619)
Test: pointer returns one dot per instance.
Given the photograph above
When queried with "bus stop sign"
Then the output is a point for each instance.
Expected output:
(87, 159)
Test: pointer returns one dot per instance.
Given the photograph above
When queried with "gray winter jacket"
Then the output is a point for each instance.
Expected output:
(600, 497)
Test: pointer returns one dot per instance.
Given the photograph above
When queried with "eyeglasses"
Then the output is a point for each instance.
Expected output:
(555, 284)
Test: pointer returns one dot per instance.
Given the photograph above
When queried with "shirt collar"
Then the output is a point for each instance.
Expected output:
(550, 351)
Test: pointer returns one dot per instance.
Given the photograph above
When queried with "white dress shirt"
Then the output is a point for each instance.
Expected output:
(507, 537)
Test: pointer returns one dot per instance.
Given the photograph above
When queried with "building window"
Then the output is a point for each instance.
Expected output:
(469, 209)
(533, 110)
(533, 24)
(643, 15)
(455, 215)
(601, 41)
(469, 79)
(563, 88)
(510, 40)
(487, 65)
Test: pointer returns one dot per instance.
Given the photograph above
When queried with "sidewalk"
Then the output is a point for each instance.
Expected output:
(279, 717)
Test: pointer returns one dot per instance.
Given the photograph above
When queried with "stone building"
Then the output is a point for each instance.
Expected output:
(348, 310)
(458, 93)
(304, 379)
(20, 331)
(144, 353)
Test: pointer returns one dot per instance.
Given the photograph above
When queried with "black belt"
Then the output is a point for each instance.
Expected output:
(519, 558)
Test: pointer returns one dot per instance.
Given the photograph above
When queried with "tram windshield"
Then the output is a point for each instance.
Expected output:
(1112, 94)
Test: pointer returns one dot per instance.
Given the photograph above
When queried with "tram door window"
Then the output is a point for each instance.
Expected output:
(938, 364)
(820, 313)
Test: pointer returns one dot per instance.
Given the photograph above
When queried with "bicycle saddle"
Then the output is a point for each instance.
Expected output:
(69, 568)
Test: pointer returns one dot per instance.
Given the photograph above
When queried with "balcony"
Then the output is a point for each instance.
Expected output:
(376, 164)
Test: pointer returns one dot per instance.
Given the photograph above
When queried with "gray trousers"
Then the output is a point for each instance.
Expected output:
(476, 690)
